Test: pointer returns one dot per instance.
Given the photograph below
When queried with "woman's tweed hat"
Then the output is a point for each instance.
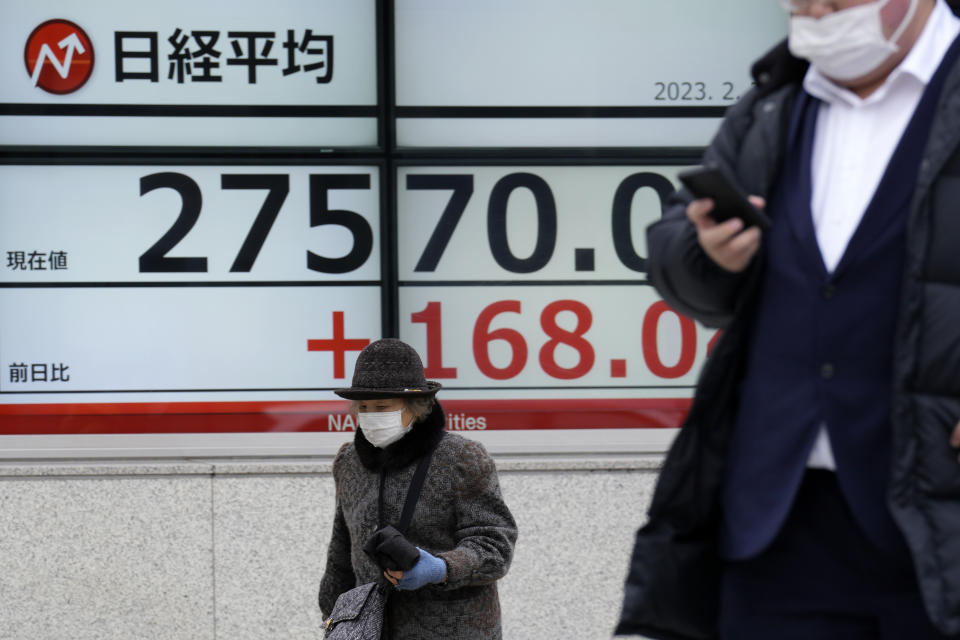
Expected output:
(388, 368)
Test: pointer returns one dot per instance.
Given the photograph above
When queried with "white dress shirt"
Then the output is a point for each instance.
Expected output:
(853, 143)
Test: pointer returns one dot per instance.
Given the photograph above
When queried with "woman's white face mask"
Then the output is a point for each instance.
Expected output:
(382, 428)
(846, 44)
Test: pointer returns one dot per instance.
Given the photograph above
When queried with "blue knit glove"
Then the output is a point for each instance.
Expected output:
(429, 570)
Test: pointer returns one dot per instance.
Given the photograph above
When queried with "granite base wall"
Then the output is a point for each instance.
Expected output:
(234, 550)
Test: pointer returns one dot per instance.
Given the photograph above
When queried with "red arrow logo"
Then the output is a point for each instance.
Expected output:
(59, 56)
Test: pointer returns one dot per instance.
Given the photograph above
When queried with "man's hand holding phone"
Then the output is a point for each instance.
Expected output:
(728, 222)
(727, 243)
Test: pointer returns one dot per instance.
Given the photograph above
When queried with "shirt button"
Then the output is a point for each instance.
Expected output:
(829, 291)
(826, 371)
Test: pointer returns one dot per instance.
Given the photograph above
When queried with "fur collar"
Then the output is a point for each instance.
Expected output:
(422, 437)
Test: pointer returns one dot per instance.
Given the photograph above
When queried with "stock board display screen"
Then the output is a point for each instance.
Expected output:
(207, 211)
(525, 288)
(559, 73)
(197, 284)
(291, 73)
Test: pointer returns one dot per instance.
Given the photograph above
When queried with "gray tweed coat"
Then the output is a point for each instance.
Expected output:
(460, 517)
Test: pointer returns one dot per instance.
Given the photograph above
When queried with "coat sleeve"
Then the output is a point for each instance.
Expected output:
(485, 531)
(338, 575)
(682, 273)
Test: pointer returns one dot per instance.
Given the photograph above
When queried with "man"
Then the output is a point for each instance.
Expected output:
(840, 498)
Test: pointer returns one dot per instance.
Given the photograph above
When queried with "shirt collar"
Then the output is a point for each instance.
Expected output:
(921, 62)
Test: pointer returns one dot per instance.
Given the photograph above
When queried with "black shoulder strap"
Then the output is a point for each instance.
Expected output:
(413, 493)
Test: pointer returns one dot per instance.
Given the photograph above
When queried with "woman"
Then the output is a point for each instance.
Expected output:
(461, 526)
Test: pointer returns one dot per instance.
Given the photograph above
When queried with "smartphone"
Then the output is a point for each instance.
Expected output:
(728, 200)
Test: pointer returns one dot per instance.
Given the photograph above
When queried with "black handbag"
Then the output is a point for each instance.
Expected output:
(672, 590)
(359, 613)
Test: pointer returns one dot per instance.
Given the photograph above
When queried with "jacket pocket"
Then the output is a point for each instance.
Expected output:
(937, 468)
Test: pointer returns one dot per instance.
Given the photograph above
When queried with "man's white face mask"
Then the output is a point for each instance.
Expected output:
(846, 44)
(382, 428)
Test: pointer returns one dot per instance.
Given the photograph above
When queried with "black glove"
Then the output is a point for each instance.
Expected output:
(390, 549)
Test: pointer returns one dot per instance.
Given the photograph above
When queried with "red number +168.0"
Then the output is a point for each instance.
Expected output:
(431, 316)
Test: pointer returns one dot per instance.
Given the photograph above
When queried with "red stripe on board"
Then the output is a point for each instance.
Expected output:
(324, 416)
(140, 408)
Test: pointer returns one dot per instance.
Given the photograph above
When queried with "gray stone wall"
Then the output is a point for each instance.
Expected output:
(234, 550)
